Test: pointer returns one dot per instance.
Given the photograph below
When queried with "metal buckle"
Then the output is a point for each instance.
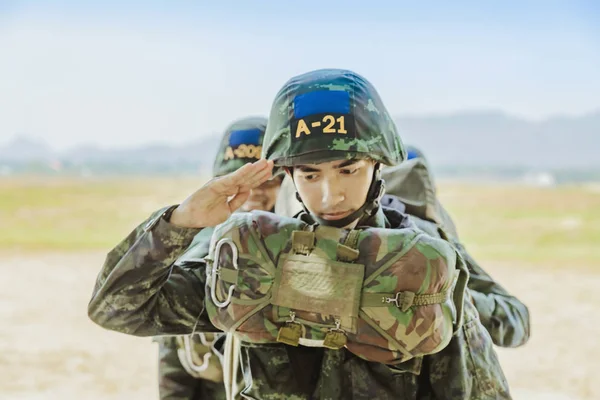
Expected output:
(215, 271)
(403, 300)
(336, 337)
(394, 300)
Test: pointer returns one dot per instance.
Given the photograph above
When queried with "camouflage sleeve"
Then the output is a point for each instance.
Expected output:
(504, 316)
(174, 383)
(468, 368)
(140, 292)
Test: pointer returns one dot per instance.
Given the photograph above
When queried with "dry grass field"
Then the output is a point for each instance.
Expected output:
(540, 243)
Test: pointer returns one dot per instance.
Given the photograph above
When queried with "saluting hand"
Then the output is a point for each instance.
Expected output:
(214, 202)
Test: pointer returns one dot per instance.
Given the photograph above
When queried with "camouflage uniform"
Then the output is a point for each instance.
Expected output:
(178, 374)
(141, 292)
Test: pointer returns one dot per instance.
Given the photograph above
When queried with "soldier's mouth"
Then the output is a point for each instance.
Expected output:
(335, 216)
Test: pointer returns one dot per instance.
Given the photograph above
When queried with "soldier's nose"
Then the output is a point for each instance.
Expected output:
(332, 195)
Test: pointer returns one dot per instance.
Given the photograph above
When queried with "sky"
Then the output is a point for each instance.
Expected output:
(124, 73)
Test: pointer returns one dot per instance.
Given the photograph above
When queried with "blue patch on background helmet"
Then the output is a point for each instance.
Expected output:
(247, 136)
(410, 154)
(322, 102)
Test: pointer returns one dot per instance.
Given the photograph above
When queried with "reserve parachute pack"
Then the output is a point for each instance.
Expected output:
(387, 295)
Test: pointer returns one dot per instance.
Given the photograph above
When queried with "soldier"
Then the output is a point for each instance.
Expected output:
(330, 130)
(410, 188)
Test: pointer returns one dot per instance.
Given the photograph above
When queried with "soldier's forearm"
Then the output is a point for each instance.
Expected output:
(117, 253)
(135, 292)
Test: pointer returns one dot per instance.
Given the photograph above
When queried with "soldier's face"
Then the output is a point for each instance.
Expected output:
(263, 197)
(334, 190)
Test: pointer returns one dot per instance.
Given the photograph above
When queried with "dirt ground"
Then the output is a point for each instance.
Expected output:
(50, 350)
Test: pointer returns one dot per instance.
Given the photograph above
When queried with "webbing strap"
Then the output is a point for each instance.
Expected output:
(346, 254)
(460, 287)
(303, 242)
(347, 251)
(228, 275)
(403, 300)
(352, 239)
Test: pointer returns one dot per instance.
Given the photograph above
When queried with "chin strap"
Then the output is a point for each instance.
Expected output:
(374, 195)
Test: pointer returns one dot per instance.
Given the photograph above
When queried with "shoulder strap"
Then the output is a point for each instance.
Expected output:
(348, 250)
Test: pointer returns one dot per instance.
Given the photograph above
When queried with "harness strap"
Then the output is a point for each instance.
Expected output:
(403, 300)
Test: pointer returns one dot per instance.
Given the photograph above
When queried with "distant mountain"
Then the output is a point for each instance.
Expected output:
(478, 139)
(24, 148)
(25, 155)
(200, 152)
(495, 139)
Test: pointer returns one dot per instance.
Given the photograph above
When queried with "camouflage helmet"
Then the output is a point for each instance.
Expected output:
(240, 145)
(327, 115)
(414, 152)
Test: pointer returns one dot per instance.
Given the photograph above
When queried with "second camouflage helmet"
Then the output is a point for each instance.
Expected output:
(241, 144)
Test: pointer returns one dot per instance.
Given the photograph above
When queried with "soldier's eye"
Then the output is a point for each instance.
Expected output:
(310, 177)
(348, 171)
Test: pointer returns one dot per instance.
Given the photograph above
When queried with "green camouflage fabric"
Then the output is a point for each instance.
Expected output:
(327, 115)
(504, 316)
(175, 382)
(393, 297)
(232, 156)
(412, 183)
(140, 291)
